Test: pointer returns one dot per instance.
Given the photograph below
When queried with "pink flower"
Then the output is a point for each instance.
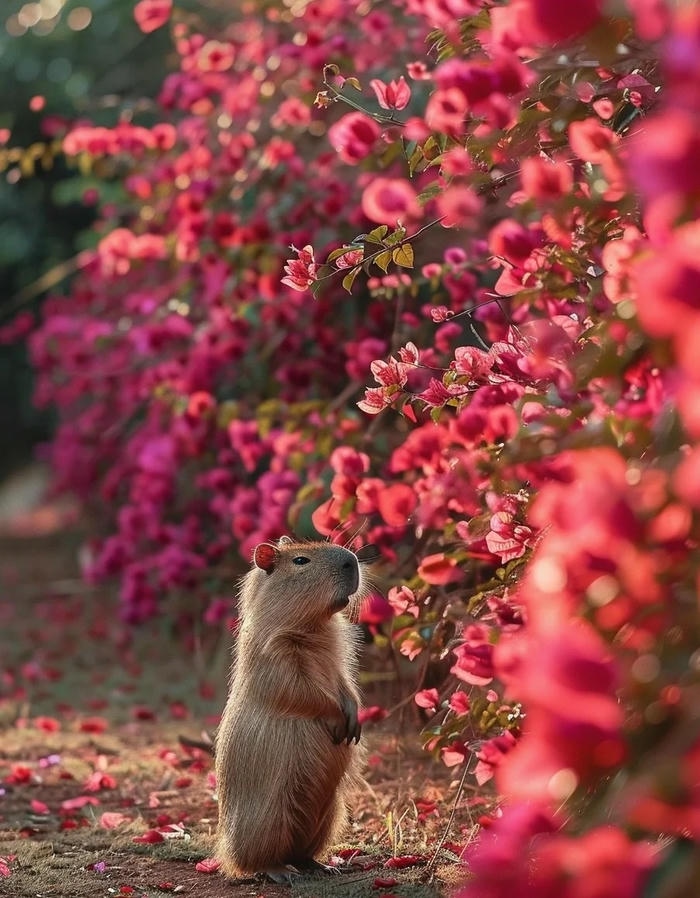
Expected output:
(403, 600)
(353, 136)
(446, 111)
(351, 258)
(374, 611)
(652, 18)
(348, 461)
(555, 21)
(474, 663)
(545, 179)
(591, 141)
(453, 754)
(439, 569)
(490, 755)
(216, 56)
(152, 14)
(390, 201)
(301, 272)
(396, 504)
(375, 400)
(394, 95)
(427, 698)
(459, 702)
(208, 865)
(507, 538)
(458, 206)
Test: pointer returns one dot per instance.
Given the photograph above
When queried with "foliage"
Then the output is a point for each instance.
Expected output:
(516, 224)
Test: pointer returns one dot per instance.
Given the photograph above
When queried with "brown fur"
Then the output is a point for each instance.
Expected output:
(281, 779)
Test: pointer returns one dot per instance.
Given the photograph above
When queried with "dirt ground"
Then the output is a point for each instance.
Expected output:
(99, 798)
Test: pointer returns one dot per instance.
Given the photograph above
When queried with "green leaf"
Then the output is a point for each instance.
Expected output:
(429, 193)
(383, 260)
(414, 160)
(337, 253)
(403, 255)
(377, 235)
(349, 278)
(396, 236)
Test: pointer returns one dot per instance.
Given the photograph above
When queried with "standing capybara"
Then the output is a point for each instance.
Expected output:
(286, 748)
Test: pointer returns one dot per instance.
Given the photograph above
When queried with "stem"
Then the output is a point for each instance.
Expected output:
(379, 116)
(443, 838)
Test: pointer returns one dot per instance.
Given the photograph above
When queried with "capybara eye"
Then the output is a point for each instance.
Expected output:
(301, 559)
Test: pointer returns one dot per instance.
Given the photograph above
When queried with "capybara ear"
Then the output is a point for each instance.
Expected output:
(265, 557)
(367, 554)
(285, 541)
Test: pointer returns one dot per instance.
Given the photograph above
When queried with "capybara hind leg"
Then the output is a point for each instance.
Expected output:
(326, 829)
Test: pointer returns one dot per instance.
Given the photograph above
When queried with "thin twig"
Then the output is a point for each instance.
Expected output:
(443, 838)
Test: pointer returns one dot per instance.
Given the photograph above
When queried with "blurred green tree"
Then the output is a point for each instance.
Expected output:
(60, 60)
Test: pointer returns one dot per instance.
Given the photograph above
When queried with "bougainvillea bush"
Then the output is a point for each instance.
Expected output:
(426, 275)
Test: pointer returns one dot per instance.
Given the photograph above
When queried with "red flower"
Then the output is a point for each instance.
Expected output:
(396, 504)
(150, 837)
(438, 569)
(48, 724)
(373, 714)
(152, 14)
(93, 725)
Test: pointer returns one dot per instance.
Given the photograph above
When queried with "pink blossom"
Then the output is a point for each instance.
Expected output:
(546, 179)
(353, 136)
(152, 14)
(590, 140)
(351, 258)
(403, 600)
(490, 755)
(438, 569)
(390, 201)
(453, 754)
(396, 504)
(300, 273)
(474, 657)
(375, 400)
(554, 22)
(459, 702)
(427, 698)
(458, 206)
(394, 95)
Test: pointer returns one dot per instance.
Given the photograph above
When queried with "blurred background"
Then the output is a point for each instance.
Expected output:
(60, 61)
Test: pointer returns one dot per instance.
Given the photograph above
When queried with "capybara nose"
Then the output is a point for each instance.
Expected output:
(351, 574)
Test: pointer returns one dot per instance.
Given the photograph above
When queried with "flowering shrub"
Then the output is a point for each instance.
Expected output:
(501, 232)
